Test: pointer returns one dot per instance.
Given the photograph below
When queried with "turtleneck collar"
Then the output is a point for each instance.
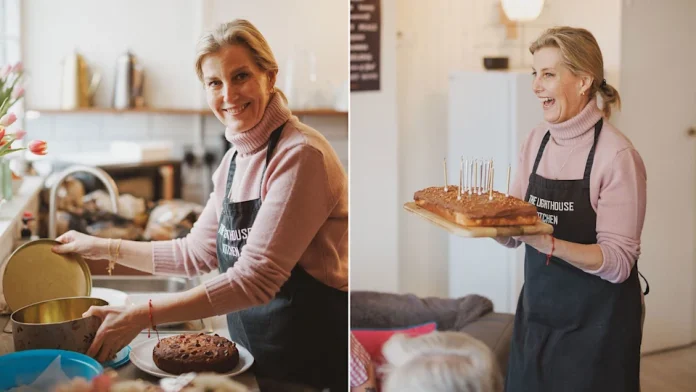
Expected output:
(248, 142)
(572, 130)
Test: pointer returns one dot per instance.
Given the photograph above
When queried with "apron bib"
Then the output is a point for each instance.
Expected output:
(301, 336)
(573, 331)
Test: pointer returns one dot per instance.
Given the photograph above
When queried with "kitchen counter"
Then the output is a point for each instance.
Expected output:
(26, 199)
(130, 371)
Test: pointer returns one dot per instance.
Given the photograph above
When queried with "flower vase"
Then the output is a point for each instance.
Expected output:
(5, 180)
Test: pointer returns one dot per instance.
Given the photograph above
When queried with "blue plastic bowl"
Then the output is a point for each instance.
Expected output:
(23, 367)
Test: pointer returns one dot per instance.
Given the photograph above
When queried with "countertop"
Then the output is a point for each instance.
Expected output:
(130, 371)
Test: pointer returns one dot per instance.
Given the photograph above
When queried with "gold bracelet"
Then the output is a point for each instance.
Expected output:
(110, 267)
(112, 262)
(118, 250)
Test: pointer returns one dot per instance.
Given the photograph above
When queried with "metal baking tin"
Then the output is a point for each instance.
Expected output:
(34, 274)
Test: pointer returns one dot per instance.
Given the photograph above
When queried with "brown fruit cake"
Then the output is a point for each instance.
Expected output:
(195, 353)
(476, 210)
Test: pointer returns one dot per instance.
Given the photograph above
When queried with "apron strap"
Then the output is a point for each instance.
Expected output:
(230, 177)
(647, 285)
(272, 143)
(540, 152)
(590, 156)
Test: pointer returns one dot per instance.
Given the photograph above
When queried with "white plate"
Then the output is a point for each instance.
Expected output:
(113, 297)
(141, 356)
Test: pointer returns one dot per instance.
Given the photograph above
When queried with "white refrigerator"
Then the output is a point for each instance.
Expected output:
(490, 114)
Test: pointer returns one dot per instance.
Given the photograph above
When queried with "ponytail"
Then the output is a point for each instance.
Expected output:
(610, 97)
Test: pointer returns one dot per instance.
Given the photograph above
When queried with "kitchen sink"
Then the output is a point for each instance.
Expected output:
(144, 284)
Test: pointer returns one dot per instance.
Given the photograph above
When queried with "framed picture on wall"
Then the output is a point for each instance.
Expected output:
(365, 37)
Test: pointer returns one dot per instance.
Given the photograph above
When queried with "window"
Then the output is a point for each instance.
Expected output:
(10, 50)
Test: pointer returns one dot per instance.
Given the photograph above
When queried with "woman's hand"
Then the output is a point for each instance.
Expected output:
(87, 246)
(119, 327)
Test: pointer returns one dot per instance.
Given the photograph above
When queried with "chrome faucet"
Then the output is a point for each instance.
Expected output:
(99, 173)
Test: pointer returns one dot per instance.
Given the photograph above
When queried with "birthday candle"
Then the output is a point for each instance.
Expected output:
(461, 169)
(444, 165)
(507, 192)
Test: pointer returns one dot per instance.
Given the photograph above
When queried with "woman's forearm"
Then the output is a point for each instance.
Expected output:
(132, 254)
(188, 305)
(585, 257)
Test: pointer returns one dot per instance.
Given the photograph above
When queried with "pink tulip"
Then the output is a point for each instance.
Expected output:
(20, 134)
(18, 92)
(37, 147)
(2, 133)
(8, 119)
(102, 383)
(17, 68)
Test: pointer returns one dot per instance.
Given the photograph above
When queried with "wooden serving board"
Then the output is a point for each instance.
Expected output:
(478, 232)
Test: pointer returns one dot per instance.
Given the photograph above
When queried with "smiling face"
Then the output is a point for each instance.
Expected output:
(237, 90)
(558, 89)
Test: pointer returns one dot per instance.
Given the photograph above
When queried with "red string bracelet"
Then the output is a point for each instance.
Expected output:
(152, 323)
(553, 247)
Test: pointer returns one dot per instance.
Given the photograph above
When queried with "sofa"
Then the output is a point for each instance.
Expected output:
(472, 314)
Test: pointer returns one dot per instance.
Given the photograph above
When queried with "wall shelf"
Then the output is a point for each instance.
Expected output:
(96, 110)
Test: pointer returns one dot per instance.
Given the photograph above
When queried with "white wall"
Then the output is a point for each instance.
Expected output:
(602, 18)
(446, 35)
(658, 130)
(295, 29)
(159, 32)
(374, 205)
(163, 34)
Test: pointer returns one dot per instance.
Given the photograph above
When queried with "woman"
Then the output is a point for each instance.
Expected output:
(283, 285)
(440, 362)
(578, 319)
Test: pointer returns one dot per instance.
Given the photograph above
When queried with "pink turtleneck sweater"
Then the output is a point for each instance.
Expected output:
(617, 183)
(303, 219)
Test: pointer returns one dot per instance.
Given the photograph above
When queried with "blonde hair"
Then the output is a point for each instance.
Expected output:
(237, 32)
(580, 52)
(440, 361)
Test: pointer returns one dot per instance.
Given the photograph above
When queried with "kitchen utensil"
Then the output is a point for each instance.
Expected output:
(141, 356)
(478, 232)
(34, 274)
(128, 85)
(56, 324)
(22, 368)
(79, 84)
(495, 63)
(121, 359)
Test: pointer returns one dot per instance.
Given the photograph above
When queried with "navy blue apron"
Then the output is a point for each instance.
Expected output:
(301, 336)
(573, 331)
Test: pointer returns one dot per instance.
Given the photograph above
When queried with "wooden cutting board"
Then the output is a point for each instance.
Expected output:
(478, 232)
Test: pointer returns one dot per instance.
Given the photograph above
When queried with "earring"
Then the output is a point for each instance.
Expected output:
(582, 93)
